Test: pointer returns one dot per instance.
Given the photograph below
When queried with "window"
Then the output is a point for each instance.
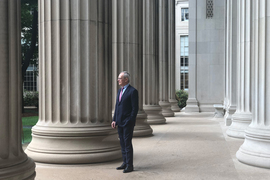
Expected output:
(209, 9)
(184, 62)
(30, 79)
(184, 16)
(184, 81)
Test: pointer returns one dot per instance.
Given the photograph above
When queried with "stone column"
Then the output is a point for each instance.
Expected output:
(243, 116)
(231, 59)
(256, 148)
(163, 59)
(14, 163)
(75, 80)
(192, 103)
(171, 55)
(150, 64)
(127, 42)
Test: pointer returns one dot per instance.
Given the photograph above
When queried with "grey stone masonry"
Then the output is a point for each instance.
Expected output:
(14, 163)
(231, 62)
(192, 102)
(163, 59)
(255, 150)
(171, 56)
(128, 52)
(151, 64)
(242, 117)
(75, 80)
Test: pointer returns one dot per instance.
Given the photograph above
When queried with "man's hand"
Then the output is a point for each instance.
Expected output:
(113, 125)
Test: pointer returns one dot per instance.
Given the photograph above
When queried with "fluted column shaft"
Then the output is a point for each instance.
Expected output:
(75, 80)
(163, 59)
(231, 59)
(171, 55)
(256, 148)
(150, 64)
(192, 103)
(14, 163)
(127, 42)
(242, 117)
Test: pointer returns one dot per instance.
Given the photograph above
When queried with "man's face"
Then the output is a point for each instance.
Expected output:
(121, 80)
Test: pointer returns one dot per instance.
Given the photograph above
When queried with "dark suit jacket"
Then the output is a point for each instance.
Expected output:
(126, 110)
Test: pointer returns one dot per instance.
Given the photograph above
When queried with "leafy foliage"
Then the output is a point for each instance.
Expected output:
(181, 97)
(29, 33)
(30, 98)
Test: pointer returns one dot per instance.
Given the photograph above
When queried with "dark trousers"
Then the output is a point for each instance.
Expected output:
(125, 136)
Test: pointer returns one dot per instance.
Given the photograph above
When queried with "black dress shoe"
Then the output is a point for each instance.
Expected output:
(123, 166)
(128, 169)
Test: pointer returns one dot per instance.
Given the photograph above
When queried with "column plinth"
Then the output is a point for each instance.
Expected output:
(24, 170)
(75, 80)
(142, 127)
(192, 105)
(255, 150)
(154, 115)
(76, 145)
(240, 122)
(174, 105)
(229, 111)
(166, 109)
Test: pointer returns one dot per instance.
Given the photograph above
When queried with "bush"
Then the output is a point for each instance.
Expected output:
(30, 98)
(181, 97)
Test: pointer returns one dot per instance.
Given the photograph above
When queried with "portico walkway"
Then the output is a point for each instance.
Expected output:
(188, 147)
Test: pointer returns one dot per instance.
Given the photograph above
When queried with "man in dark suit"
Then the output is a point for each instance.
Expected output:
(126, 109)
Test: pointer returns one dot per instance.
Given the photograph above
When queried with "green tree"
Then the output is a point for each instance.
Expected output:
(29, 24)
(181, 96)
(29, 36)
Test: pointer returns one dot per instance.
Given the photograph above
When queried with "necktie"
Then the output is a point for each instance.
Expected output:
(121, 94)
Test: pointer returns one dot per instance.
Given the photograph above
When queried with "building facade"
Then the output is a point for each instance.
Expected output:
(181, 44)
(229, 65)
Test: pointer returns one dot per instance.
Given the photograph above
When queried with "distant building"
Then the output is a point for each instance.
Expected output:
(30, 79)
(181, 44)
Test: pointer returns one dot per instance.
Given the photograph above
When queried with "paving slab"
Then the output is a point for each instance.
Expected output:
(190, 146)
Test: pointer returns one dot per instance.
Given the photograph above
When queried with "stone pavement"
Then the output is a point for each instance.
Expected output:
(187, 147)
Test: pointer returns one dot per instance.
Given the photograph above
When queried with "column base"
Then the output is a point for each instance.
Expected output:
(219, 110)
(174, 105)
(255, 150)
(207, 107)
(240, 122)
(228, 115)
(74, 145)
(192, 105)
(142, 128)
(154, 115)
(23, 171)
(166, 109)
